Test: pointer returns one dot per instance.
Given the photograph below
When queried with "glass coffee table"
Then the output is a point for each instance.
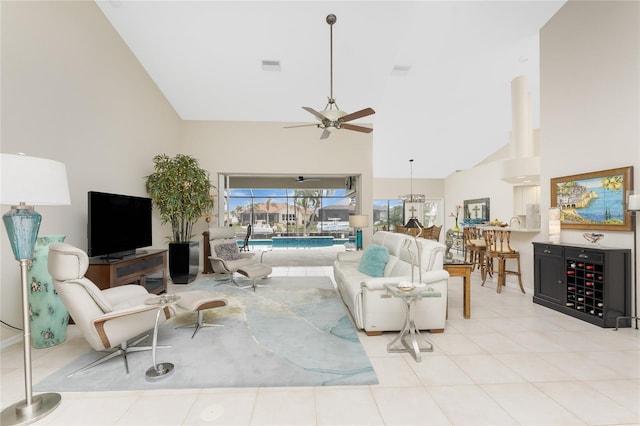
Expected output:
(408, 339)
(164, 369)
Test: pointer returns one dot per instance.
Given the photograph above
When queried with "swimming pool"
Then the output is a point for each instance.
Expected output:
(300, 242)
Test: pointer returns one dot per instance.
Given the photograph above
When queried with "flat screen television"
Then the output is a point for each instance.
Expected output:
(117, 224)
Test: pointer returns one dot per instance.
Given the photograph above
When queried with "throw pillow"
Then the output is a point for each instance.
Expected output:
(227, 251)
(373, 260)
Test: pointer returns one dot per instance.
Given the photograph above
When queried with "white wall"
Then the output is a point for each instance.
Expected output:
(73, 92)
(590, 104)
(590, 97)
(268, 148)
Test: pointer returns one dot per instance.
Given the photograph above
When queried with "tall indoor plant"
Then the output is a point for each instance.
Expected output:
(181, 191)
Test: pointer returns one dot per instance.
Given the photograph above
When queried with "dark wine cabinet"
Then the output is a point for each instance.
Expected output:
(587, 282)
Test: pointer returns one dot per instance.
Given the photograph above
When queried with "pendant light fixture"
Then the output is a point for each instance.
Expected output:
(413, 198)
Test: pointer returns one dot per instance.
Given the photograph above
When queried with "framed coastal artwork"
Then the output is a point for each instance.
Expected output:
(594, 200)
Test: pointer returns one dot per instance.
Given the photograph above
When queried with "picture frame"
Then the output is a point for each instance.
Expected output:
(595, 200)
(477, 210)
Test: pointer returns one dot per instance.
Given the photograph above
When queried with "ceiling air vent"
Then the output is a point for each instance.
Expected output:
(268, 65)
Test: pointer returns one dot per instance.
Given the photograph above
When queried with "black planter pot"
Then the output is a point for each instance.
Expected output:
(184, 261)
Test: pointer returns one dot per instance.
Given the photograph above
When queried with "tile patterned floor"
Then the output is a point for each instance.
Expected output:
(512, 363)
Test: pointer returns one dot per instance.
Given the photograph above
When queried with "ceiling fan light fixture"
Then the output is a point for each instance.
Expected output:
(333, 114)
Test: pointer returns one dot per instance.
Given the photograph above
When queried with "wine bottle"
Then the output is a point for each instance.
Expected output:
(599, 304)
(600, 314)
(580, 265)
(588, 275)
(588, 293)
(570, 304)
(592, 311)
(571, 288)
(589, 283)
(600, 277)
(580, 299)
(572, 265)
(580, 307)
(571, 272)
(589, 267)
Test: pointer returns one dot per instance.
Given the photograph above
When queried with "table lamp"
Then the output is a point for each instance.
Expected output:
(26, 181)
(555, 226)
(359, 221)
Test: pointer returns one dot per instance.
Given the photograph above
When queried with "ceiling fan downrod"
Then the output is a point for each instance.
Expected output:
(331, 19)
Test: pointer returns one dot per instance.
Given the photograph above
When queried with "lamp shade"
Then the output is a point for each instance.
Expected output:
(634, 202)
(413, 223)
(555, 226)
(359, 220)
(33, 181)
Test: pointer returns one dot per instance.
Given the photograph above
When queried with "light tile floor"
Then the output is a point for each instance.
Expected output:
(513, 362)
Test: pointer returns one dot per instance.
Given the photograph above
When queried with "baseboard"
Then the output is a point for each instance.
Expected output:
(10, 341)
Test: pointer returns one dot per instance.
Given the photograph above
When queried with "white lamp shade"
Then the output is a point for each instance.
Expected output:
(32, 180)
(359, 221)
(555, 226)
(634, 202)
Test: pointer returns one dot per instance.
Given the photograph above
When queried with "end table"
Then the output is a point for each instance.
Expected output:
(409, 334)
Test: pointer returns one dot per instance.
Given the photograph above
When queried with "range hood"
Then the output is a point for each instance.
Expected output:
(523, 165)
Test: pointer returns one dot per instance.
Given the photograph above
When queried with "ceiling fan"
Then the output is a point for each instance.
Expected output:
(332, 117)
(304, 179)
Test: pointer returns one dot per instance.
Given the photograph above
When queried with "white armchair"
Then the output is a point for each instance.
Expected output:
(225, 256)
(107, 319)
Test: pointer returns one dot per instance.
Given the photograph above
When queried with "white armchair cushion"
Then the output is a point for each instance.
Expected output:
(227, 251)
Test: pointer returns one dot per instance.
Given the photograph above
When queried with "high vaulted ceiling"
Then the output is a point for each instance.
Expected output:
(449, 111)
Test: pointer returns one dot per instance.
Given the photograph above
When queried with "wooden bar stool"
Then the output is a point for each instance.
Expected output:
(476, 249)
(497, 242)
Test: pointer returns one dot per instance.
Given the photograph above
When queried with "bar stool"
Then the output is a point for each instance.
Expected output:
(476, 249)
(497, 242)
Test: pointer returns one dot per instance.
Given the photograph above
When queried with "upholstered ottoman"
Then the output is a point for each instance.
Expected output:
(199, 301)
(255, 271)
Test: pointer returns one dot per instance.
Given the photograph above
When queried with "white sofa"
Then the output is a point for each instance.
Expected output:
(371, 307)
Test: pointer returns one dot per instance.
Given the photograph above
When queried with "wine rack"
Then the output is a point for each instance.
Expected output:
(587, 282)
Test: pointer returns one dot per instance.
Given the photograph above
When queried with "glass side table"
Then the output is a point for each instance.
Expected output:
(164, 369)
(407, 340)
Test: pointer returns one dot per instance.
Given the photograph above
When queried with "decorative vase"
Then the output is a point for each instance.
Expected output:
(184, 262)
(456, 228)
(47, 314)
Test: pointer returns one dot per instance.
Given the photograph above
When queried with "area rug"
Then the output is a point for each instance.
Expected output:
(293, 332)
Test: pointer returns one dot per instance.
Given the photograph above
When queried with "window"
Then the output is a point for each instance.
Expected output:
(290, 211)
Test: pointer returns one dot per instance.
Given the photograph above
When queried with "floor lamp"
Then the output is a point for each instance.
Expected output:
(633, 206)
(27, 181)
(414, 223)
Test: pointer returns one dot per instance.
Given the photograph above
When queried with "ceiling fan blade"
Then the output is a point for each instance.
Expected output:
(314, 112)
(304, 179)
(325, 134)
(301, 125)
(357, 114)
(356, 128)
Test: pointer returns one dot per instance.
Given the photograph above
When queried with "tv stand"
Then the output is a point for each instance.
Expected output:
(147, 268)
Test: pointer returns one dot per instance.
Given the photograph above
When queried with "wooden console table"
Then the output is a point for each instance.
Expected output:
(462, 270)
(147, 269)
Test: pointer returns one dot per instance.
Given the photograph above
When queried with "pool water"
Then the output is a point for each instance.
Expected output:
(300, 242)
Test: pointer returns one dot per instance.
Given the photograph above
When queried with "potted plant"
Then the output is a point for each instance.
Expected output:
(181, 191)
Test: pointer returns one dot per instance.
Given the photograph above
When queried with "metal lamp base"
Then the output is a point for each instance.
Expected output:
(21, 413)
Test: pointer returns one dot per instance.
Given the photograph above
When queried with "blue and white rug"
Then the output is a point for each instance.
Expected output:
(294, 332)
